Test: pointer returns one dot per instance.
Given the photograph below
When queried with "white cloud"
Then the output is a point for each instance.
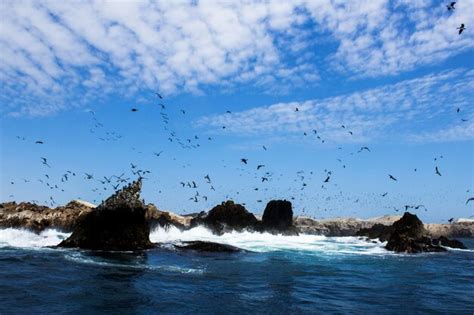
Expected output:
(53, 49)
(413, 109)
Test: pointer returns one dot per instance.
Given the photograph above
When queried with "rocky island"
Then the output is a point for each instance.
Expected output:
(123, 222)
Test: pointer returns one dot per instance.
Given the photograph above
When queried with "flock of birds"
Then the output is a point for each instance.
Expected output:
(115, 181)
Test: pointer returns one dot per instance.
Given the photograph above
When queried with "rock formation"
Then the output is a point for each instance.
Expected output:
(201, 246)
(408, 235)
(119, 223)
(226, 217)
(278, 217)
(37, 218)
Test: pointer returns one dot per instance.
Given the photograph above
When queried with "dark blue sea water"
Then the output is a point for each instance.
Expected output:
(282, 275)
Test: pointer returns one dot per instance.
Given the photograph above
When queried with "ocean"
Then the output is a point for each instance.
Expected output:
(276, 275)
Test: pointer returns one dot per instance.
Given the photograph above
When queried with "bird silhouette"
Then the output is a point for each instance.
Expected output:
(260, 166)
(437, 171)
(134, 110)
(207, 178)
(159, 95)
(39, 142)
(364, 148)
(451, 6)
(461, 29)
(391, 177)
(45, 161)
(470, 199)
(327, 179)
(244, 161)
(451, 220)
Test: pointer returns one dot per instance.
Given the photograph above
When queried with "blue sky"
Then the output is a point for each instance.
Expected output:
(393, 73)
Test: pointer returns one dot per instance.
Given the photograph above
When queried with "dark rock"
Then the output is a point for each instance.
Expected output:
(119, 223)
(226, 217)
(408, 235)
(378, 230)
(208, 247)
(444, 241)
(278, 218)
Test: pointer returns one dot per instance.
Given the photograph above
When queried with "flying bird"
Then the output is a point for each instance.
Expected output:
(244, 161)
(45, 161)
(385, 194)
(159, 95)
(327, 179)
(364, 148)
(39, 142)
(391, 177)
(461, 29)
(451, 220)
(451, 6)
(437, 171)
(264, 147)
(260, 166)
(470, 199)
(134, 110)
(207, 178)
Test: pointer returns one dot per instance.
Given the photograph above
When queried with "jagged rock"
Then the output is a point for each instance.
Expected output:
(408, 235)
(226, 217)
(444, 241)
(208, 247)
(378, 230)
(119, 223)
(278, 217)
(37, 218)
(165, 219)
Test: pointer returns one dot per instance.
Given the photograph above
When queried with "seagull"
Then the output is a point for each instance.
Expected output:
(327, 179)
(437, 171)
(470, 199)
(451, 6)
(158, 154)
(461, 29)
(45, 162)
(260, 166)
(364, 148)
(264, 179)
(207, 178)
(39, 142)
(391, 177)
(244, 161)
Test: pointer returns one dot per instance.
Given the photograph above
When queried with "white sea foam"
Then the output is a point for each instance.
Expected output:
(83, 259)
(27, 239)
(265, 242)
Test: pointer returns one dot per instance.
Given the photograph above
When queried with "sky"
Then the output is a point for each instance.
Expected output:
(331, 97)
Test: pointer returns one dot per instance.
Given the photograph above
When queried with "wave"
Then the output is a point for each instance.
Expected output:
(84, 259)
(26, 239)
(266, 242)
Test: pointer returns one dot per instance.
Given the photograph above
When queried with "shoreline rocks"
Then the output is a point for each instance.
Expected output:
(119, 223)
(408, 235)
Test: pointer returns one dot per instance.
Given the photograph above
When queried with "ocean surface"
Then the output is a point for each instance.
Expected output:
(278, 275)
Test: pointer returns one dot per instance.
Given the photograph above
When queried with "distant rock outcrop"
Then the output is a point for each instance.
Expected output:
(226, 217)
(119, 223)
(37, 218)
(408, 235)
(278, 217)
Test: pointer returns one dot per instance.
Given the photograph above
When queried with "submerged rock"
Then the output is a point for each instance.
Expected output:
(119, 223)
(226, 217)
(202, 246)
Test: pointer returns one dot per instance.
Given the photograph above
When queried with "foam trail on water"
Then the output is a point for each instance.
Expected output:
(265, 242)
(23, 238)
